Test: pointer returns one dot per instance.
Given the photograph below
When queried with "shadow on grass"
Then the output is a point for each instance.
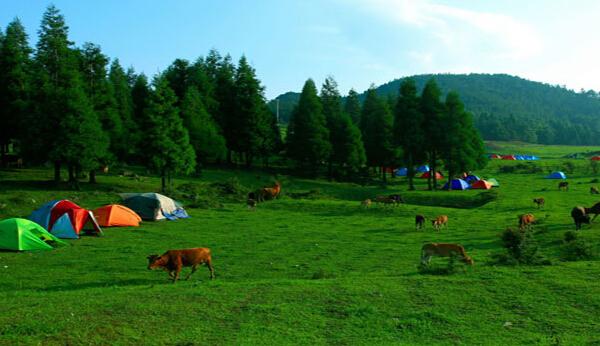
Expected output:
(104, 284)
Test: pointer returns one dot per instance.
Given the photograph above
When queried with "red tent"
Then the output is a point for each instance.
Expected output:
(595, 158)
(495, 156)
(438, 176)
(508, 157)
(78, 216)
(481, 184)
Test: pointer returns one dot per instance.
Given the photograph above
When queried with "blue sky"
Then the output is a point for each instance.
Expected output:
(359, 42)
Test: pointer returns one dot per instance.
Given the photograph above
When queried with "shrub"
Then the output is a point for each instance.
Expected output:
(521, 248)
(575, 248)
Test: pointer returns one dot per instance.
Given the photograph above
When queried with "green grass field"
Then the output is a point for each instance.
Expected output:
(318, 270)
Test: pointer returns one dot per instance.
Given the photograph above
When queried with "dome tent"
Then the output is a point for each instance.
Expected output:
(471, 178)
(456, 184)
(65, 219)
(423, 169)
(556, 175)
(438, 175)
(481, 185)
(153, 206)
(116, 215)
(493, 182)
(402, 172)
(23, 235)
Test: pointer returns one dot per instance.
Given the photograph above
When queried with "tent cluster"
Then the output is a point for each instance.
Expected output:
(65, 219)
(471, 182)
(514, 157)
(402, 172)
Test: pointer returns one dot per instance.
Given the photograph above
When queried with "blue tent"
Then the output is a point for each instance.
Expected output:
(471, 179)
(533, 157)
(519, 157)
(41, 216)
(457, 184)
(557, 175)
(401, 172)
(423, 169)
(63, 228)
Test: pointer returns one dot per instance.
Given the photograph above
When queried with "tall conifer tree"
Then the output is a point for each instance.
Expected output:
(376, 127)
(433, 123)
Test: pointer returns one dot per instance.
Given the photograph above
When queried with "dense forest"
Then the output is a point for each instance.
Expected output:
(511, 108)
(75, 108)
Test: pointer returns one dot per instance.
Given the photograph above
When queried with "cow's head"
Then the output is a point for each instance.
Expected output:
(154, 261)
(468, 260)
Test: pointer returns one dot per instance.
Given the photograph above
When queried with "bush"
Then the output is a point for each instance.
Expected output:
(521, 248)
(576, 248)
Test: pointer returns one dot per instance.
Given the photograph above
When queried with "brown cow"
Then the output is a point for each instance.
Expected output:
(540, 201)
(386, 200)
(173, 260)
(563, 185)
(526, 221)
(439, 222)
(443, 250)
(419, 221)
(267, 193)
(366, 203)
(594, 190)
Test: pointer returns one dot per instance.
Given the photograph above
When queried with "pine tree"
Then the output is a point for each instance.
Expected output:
(15, 69)
(434, 125)
(352, 106)
(248, 123)
(122, 125)
(198, 78)
(205, 138)
(376, 127)
(225, 96)
(168, 148)
(408, 128)
(177, 75)
(350, 152)
(307, 136)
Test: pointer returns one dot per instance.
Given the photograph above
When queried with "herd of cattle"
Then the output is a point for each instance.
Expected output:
(173, 261)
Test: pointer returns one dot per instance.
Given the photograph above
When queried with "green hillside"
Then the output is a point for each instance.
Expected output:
(512, 108)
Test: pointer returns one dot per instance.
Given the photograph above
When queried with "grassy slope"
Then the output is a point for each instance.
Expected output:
(303, 271)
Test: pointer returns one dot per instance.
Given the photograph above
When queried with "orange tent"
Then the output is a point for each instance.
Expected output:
(116, 215)
(481, 184)
(438, 176)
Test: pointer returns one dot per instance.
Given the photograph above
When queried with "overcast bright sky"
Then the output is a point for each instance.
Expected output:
(359, 42)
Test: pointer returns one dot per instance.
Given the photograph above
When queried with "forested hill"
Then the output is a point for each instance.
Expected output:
(512, 108)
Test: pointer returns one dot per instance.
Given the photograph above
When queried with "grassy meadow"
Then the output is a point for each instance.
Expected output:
(312, 267)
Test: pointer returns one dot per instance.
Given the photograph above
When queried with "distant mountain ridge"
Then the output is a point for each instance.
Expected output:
(507, 107)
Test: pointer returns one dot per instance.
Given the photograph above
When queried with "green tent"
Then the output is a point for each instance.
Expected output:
(22, 235)
(493, 182)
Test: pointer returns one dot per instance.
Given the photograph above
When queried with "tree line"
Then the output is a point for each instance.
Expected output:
(77, 109)
(347, 137)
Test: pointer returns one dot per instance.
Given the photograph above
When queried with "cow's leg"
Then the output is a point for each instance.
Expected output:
(192, 271)
(211, 269)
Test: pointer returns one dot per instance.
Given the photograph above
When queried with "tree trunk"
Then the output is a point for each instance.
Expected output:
(57, 171)
(92, 176)
(330, 170)
(410, 172)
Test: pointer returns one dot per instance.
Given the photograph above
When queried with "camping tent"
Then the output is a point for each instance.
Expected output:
(22, 235)
(557, 175)
(457, 184)
(495, 156)
(438, 175)
(116, 215)
(481, 184)
(471, 178)
(508, 157)
(153, 206)
(401, 172)
(493, 182)
(65, 219)
(595, 158)
(423, 169)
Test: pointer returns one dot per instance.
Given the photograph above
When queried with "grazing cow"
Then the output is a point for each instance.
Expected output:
(526, 221)
(268, 193)
(397, 198)
(419, 221)
(539, 201)
(594, 190)
(563, 185)
(366, 203)
(386, 200)
(595, 209)
(173, 260)
(439, 222)
(444, 250)
(580, 216)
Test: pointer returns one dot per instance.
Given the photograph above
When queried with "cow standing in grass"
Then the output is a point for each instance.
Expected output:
(386, 200)
(595, 209)
(526, 221)
(539, 201)
(419, 221)
(268, 193)
(580, 217)
(366, 203)
(444, 250)
(439, 222)
(563, 185)
(173, 260)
